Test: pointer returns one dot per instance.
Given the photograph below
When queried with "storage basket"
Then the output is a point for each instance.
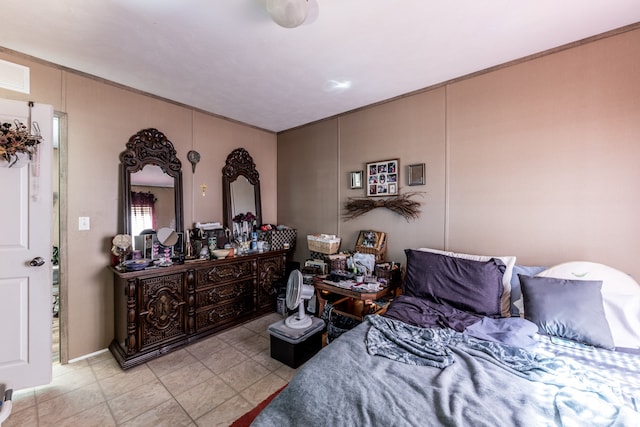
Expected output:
(336, 262)
(390, 275)
(278, 238)
(323, 243)
(337, 324)
(379, 248)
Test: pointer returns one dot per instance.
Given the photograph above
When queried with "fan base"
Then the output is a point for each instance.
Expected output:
(296, 322)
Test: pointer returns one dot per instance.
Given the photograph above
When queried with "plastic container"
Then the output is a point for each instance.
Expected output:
(293, 347)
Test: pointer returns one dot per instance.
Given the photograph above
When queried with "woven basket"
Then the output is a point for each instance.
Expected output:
(336, 262)
(393, 275)
(381, 254)
(324, 245)
(380, 250)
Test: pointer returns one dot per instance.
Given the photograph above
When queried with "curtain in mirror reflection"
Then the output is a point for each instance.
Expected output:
(143, 215)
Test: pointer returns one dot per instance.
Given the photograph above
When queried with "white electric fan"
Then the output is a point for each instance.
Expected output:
(297, 292)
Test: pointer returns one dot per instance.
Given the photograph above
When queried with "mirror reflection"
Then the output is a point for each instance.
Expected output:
(151, 185)
(243, 198)
(152, 200)
(240, 188)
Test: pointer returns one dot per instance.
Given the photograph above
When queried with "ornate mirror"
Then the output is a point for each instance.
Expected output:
(240, 187)
(151, 176)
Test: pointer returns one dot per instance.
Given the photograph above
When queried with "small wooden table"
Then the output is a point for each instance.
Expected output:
(353, 304)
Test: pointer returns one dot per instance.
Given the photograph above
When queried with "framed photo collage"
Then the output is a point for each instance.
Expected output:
(382, 178)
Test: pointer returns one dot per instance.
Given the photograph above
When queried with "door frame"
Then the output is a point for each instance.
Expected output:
(63, 314)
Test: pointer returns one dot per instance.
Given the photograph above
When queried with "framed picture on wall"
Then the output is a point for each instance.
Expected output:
(416, 174)
(382, 178)
(355, 179)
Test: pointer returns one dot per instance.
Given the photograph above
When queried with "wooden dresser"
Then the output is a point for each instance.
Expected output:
(162, 309)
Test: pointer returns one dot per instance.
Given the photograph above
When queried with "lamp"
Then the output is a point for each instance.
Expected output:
(121, 247)
(288, 13)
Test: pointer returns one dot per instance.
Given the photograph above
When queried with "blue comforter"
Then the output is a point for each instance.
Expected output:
(441, 377)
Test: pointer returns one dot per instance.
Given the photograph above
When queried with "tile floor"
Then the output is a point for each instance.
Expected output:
(209, 383)
(55, 340)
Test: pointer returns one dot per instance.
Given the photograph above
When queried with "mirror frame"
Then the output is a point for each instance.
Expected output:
(150, 147)
(240, 163)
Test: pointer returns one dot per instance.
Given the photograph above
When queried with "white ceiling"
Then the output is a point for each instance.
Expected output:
(227, 57)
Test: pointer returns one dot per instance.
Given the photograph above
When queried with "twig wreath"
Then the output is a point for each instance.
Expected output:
(401, 204)
(17, 140)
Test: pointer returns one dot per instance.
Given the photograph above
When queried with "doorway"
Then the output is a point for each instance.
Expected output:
(58, 258)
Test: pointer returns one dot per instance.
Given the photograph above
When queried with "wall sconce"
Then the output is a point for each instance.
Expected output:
(416, 174)
(355, 179)
(203, 188)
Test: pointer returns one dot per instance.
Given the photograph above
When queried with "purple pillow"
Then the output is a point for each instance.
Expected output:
(472, 286)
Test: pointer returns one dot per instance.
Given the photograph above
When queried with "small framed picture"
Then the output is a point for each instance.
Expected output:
(382, 178)
(416, 174)
(355, 179)
(371, 239)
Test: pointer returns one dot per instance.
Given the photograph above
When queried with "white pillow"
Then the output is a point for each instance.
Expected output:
(509, 262)
(620, 295)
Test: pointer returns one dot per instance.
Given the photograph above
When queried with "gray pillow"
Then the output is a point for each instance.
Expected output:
(571, 309)
(516, 293)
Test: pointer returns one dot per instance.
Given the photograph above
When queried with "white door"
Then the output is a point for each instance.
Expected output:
(26, 204)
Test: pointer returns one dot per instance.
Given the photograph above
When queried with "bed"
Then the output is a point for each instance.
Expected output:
(480, 341)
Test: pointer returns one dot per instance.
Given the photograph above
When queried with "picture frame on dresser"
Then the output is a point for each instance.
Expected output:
(382, 178)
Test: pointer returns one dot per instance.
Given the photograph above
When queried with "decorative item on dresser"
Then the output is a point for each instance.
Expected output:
(161, 309)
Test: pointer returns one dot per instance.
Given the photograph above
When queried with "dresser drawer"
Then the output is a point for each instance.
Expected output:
(218, 315)
(236, 270)
(217, 294)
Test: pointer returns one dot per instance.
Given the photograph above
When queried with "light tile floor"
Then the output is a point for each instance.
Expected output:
(209, 383)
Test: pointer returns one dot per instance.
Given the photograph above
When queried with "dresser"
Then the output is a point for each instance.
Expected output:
(161, 309)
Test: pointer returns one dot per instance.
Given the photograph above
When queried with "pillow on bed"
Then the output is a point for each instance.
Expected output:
(509, 262)
(564, 308)
(517, 309)
(473, 286)
(620, 294)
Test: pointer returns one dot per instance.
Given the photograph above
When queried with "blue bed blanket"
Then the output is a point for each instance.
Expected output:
(583, 397)
(443, 378)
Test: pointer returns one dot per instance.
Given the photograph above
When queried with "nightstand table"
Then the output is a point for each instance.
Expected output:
(353, 304)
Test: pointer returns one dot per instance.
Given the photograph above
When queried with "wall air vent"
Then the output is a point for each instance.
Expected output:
(14, 77)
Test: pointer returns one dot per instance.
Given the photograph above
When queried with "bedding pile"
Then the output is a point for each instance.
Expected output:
(445, 354)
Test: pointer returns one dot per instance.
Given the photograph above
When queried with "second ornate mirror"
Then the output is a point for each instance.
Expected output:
(152, 183)
(240, 187)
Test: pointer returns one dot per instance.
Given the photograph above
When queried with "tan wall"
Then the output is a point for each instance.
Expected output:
(100, 120)
(538, 160)
(308, 176)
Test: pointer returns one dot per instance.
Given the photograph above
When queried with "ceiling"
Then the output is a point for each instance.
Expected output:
(229, 58)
